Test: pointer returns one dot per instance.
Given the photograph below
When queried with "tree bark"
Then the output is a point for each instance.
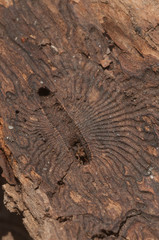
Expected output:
(79, 132)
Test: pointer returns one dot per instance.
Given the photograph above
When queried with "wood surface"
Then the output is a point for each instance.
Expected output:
(79, 117)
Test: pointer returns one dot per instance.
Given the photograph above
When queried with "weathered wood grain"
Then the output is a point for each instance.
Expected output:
(79, 108)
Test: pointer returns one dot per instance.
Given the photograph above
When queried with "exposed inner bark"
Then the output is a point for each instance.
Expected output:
(79, 132)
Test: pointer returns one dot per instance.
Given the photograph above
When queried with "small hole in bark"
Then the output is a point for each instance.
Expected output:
(17, 111)
(43, 92)
(60, 182)
(64, 219)
(138, 30)
(80, 153)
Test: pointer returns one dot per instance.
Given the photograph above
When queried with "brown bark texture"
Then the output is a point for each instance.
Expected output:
(79, 117)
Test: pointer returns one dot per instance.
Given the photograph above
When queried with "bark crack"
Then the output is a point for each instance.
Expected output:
(60, 182)
(107, 233)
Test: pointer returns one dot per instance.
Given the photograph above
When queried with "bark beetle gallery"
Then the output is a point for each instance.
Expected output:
(79, 119)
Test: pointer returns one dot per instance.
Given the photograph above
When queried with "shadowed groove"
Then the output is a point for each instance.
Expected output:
(123, 160)
(126, 114)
